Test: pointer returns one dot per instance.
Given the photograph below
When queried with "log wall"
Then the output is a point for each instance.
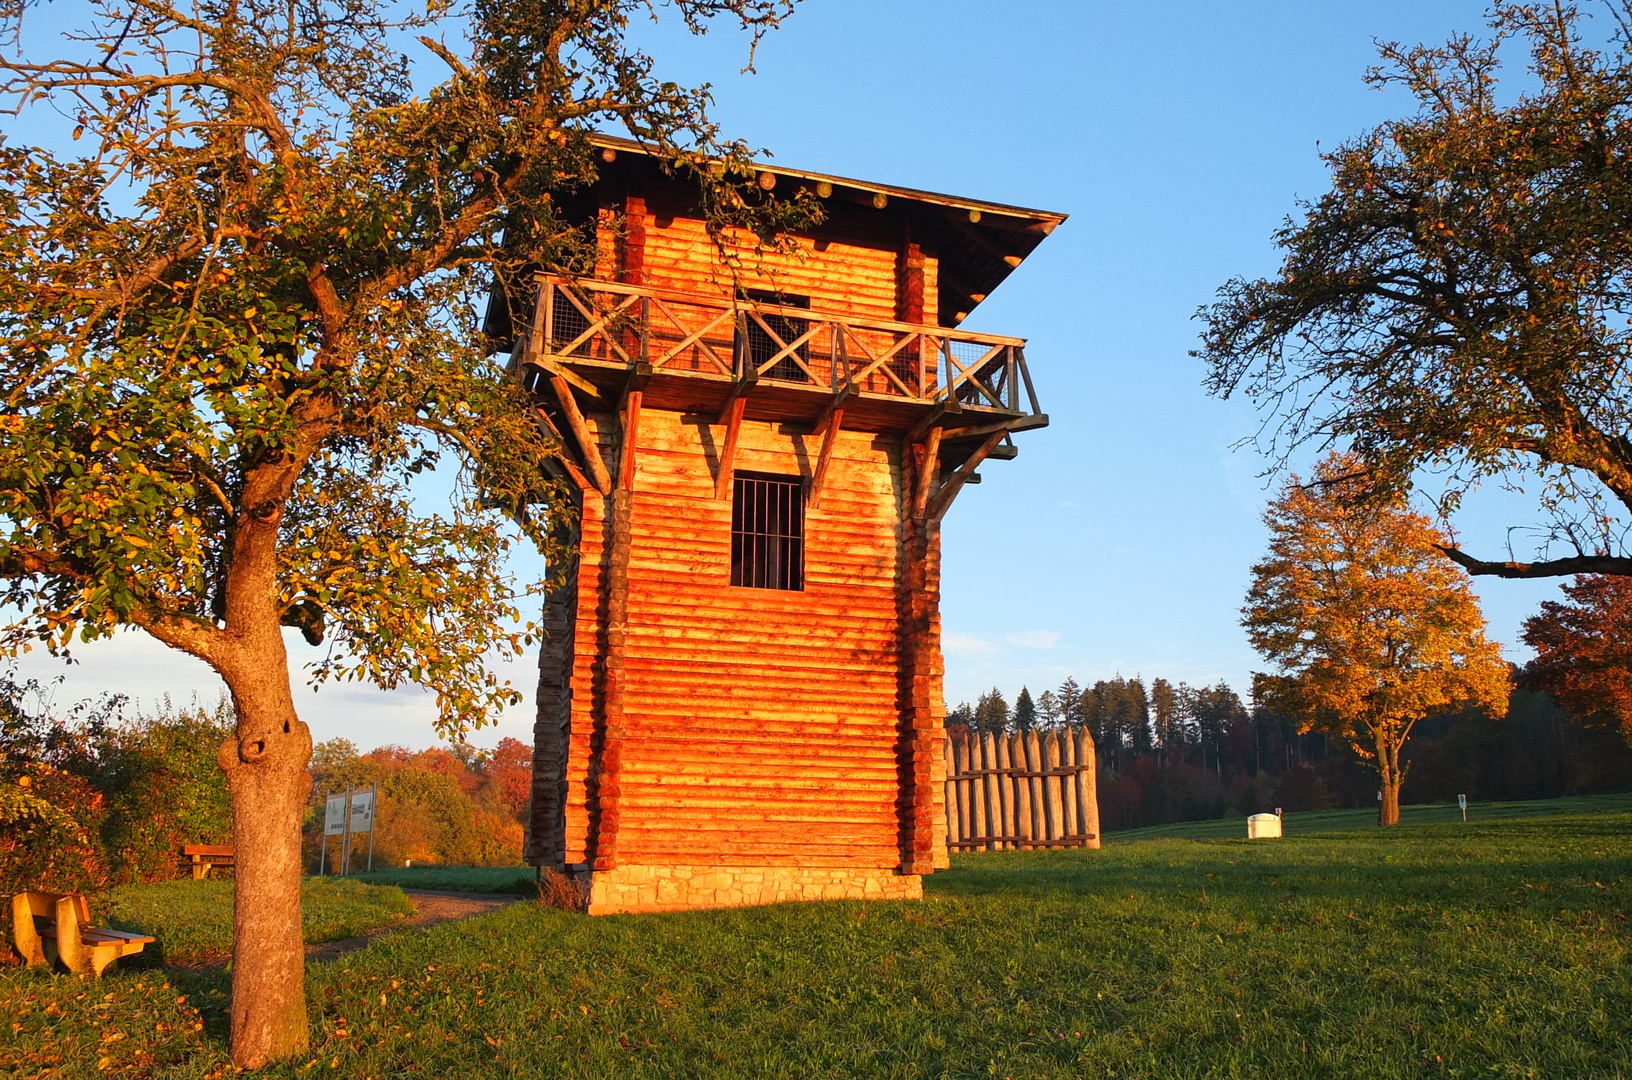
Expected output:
(863, 266)
(759, 727)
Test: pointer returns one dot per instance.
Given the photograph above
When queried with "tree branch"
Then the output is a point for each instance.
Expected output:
(1616, 565)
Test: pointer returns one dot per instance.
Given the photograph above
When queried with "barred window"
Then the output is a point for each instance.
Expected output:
(768, 532)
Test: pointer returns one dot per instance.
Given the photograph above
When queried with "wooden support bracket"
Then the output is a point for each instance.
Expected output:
(942, 502)
(564, 464)
(728, 454)
(559, 371)
(587, 444)
(928, 465)
(835, 418)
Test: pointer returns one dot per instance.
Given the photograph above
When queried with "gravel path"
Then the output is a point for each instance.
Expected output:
(430, 907)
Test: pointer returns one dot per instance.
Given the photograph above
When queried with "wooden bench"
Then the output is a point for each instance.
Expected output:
(206, 857)
(55, 927)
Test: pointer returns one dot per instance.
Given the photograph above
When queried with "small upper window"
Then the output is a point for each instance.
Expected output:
(768, 531)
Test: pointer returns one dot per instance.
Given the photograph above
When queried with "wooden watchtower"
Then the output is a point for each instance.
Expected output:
(740, 697)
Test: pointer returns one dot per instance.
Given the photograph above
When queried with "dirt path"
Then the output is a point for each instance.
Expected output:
(430, 907)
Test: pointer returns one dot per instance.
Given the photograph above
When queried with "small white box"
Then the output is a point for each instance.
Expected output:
(1263, 826)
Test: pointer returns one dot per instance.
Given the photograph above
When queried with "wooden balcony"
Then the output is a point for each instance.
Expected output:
(698, 354)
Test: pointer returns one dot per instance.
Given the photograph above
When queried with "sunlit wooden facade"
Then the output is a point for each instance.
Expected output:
(740, 698)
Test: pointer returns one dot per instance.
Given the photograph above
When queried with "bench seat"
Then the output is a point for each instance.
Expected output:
(55, 927)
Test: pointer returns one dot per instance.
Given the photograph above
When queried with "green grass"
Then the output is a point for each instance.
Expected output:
(1495, 949)
(192, 920)
(482, 879)
(1330, 821)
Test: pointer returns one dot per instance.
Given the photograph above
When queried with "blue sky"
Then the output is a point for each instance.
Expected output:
(1177, 136)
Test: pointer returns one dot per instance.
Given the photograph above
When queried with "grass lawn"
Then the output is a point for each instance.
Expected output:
(1326, 821)
(481, 879)
(1499, 948)
(193, 919)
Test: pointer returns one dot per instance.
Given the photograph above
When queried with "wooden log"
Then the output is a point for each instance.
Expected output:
(1005, 793)
(1022, 786)
(947, 795)
(608, 778)
(589, 447)
(988, 758)
(1068, 783)
(631, 438)
(1034, 789)
(965, 787)
(1056, 805)
(928, 455)
(1022, 791)
(728, 454)
(1088, 792)
(829, 437)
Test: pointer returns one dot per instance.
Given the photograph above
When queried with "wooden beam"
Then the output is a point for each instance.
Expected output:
(631, 436)
(574, 474)
(835, 418)
(834, 404)
(558, 371)
(947, 406)
(728, 454)
(928, 465)
(1021, 423)
(587, 444)
(984, 243)
(942, 502)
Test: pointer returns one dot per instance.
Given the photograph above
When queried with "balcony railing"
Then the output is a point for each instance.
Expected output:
(579, 322)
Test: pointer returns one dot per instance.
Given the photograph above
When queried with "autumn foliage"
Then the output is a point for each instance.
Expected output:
(1584, 649)
(441, 806)
(1367, 626)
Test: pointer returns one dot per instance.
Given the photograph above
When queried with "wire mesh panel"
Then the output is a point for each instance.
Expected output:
(768, 532)
(767, 335)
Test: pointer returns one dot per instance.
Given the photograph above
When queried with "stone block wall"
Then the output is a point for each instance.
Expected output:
(680, 888)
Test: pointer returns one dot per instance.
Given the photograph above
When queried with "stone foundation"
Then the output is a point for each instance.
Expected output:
(680, 888)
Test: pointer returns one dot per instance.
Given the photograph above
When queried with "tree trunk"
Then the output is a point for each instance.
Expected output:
(266, 773)
(1388, 779)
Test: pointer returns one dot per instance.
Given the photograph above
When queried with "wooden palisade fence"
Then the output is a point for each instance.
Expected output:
(1033, 789)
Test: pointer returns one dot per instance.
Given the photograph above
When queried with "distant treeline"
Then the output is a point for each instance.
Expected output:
(1172, 752)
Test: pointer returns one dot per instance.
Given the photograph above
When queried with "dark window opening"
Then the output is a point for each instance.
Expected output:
(768, 532)
(761, 346)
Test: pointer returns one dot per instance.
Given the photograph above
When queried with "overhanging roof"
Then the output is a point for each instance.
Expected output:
(979, 242)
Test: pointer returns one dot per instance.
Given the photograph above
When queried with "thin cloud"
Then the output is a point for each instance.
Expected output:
(966, 645)
(1034, 639)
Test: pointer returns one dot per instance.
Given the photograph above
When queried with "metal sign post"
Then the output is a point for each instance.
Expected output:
(334, 823)
(345, 844)
(1462, 801)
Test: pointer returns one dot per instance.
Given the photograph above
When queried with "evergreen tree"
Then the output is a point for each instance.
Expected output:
(992, 712)
(1163, 708)
(1025, 712)
(1048, 708)
(962, 716)
(1070, 699)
